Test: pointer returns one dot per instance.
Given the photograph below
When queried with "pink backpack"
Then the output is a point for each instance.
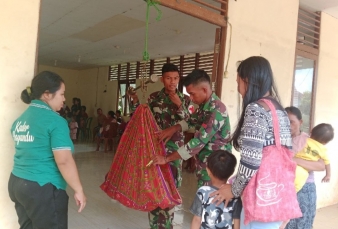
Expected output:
(270, 194)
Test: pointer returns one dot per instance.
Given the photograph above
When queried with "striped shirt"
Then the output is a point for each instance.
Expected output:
(257, 133)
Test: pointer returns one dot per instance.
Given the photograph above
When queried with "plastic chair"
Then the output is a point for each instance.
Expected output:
(111, 141)
(86, 132)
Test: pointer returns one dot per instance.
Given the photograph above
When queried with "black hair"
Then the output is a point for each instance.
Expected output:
(74, 99)
(222, 164)
(169, 67)
(257, 73)
(84, 108)
(98, 109)
(118, 112)
(322, 133)
(43, 82)
(111, 114)
(78, 102)
(295, 111)
(69, 114)
(195, 77)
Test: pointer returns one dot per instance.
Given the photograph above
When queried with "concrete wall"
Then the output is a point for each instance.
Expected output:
(326, 108)
(260, 29)
(89, 86)
(18, 41)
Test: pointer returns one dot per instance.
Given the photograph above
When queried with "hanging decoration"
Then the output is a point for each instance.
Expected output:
(146, 57)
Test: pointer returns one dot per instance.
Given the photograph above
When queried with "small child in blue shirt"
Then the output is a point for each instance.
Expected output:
(220, 166)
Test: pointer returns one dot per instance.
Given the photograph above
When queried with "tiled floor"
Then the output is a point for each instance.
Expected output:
(102, 213)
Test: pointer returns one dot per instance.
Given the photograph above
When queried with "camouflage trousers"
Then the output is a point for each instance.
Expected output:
(161, 218)
(202, 176)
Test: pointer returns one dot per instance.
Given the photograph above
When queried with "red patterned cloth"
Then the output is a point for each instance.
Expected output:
(129, 181)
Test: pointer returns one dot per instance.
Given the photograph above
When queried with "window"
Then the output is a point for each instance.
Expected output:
(123, 103)
(303, 89)
(127, 73)
(307, 50)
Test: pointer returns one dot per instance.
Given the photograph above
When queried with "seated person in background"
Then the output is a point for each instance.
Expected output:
(119, 117)
(68, 116)
(83, 113)
(123, 125)
(63, 110)
(73, 126)
(82, 123)
(83, 118)
(108, 132)
(220, 166)
(101, 118)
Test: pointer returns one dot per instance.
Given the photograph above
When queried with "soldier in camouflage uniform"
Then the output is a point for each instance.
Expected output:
(169, 106)
(211, 122)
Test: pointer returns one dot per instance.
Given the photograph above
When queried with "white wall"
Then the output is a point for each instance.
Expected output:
(326, 108)
(18, 38)
(260, 28)
(89, 86)
(269, 30)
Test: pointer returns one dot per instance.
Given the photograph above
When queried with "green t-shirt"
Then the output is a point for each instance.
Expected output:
(37, 133)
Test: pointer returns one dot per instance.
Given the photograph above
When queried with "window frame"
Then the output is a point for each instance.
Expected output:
(303, 52)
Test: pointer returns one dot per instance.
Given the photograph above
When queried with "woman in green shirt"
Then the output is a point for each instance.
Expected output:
(43, 161)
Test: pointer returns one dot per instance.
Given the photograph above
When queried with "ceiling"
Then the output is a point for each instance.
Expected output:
(80, 34)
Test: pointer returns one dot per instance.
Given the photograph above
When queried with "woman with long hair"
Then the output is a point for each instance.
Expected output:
(254, 131)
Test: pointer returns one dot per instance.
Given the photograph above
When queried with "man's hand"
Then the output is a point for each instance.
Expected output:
(222, 194)
(175, 99)
(134, 98)
(159, 160)
(165, 135)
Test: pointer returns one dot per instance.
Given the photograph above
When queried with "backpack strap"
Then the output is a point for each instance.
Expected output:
(274, 121)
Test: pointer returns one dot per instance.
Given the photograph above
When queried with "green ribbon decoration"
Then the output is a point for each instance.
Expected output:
(159, 15)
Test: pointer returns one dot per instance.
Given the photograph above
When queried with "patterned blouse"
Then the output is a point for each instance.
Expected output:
(256, 133)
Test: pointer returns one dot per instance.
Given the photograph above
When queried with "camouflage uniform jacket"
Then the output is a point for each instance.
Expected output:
(167, 114)
(211, 122)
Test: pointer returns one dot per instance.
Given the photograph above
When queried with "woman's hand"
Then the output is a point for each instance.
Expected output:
(326, 179)
(223, 194)
(310, 165)
(80, 200)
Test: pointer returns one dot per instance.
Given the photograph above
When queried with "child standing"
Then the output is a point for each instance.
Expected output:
(220, 166)
(73, 129)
